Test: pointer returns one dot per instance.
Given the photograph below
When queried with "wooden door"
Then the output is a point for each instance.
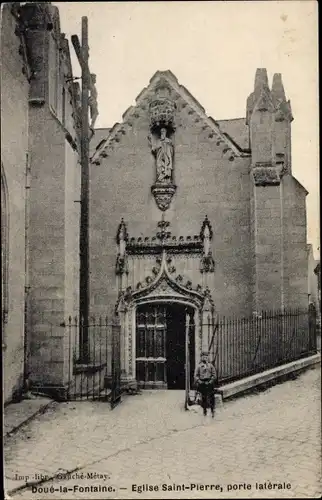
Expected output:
(151, 326)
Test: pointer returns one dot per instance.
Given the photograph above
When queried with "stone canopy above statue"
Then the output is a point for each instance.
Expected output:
(162, 109)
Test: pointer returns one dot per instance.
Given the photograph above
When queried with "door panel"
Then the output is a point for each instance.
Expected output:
(160, 346)
(150, 346)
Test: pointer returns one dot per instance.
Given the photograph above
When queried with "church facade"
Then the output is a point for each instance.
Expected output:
(194, 217)
(190, 219)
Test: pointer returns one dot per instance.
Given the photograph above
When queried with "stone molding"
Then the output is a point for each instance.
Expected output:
(198, 245)
(180, 95)
(284, 112)
(165, 285)
(163, 195)
(162, 108)
(35, 23)
(266, 174)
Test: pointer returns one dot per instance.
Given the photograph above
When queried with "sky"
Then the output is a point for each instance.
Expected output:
(213, 48)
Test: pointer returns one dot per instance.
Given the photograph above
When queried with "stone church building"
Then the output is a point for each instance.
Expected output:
(189, 215)
(190, 218)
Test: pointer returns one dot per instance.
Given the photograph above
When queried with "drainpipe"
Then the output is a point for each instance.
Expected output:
(27, 285)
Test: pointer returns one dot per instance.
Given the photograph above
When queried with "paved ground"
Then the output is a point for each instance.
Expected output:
(16, 414)
(269, 438)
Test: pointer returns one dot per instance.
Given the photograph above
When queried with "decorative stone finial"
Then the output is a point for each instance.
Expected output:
(283, 107)
(261, 96)
(261, 80)
(207, 263)
(163, 234)
(206, 226)
(122, 234)
(121, 238)
(278, 92)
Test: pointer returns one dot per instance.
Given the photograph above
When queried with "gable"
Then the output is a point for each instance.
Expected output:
(97, 140)
(237, 130)
(183, 99)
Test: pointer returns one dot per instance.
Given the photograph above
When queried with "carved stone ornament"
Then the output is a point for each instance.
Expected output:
(163, 195)
(163, 151)
(265, 102)
(283, 112)
(162, 108)
(122, 234)
(162, 115)
(266, 175)
(121, 239)
(36, 19)
(121, 266)
(207, 264)
(163, 284)
(190, 245)
(206, 227)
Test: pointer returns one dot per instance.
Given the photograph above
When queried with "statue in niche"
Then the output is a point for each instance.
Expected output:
(162, 149)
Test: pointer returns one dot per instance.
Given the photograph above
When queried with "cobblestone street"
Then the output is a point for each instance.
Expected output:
(269, 437)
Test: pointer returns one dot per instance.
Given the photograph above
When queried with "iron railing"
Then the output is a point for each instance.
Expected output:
(99, 375)
(240, 347)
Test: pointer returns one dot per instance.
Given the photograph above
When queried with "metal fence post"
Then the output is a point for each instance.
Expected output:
(116, 364)
(187, 361)
(312, 328)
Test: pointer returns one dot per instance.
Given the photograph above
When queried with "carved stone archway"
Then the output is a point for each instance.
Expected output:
(166, 289)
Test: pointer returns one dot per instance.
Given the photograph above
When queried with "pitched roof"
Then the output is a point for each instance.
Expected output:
(237, 130)
(230, 141)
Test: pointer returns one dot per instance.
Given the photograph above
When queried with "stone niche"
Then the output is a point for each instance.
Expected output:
(161, 140)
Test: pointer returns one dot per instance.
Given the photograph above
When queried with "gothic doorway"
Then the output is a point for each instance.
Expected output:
(161, 345)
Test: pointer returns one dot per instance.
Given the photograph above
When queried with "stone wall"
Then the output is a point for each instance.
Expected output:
(295, 246)
(268, 242)
(207, 184)
(54, 219)
(14, 148)
(278, 225)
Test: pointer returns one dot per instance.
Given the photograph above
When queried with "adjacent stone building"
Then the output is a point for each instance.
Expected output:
(195, 216)
(14, 149)
(40, 178)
